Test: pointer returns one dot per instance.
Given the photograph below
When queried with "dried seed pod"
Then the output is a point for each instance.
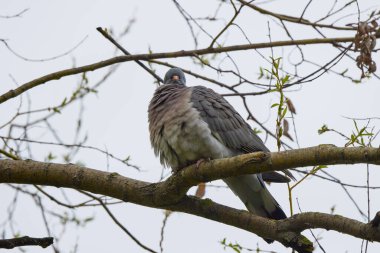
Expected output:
(374, 23)
(286, 129)
(373, 42)
(372, 67)
(291, 106)
(365, 43)
(361, 28)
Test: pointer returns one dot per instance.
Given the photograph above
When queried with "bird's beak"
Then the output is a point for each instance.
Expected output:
(175, 78)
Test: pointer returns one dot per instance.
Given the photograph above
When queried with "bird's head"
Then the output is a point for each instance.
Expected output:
(175, 76)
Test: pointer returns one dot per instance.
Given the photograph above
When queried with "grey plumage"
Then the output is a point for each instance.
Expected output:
(225, 123)
(187, 124)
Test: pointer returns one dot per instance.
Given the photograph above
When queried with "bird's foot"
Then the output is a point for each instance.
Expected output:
(259, 157)
(202, 160)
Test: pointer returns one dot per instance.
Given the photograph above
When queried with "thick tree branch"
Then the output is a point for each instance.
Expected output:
(26, 241)
(171, 194)
(280, 230)
(262, 162)
(146, 57)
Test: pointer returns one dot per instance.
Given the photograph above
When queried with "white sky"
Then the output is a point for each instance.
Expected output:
(116, 118)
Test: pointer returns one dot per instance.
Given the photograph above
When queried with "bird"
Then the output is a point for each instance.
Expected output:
(192, 124)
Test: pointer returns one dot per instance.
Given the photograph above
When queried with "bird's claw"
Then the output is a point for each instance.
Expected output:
(202, 160)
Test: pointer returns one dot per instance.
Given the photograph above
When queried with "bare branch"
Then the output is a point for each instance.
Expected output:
(7, 154)
(146, 57)
(113, 41)
(26, 241)
(291, 19)
(17, 15)
(117, 222)
(45, 59)
(237, 12)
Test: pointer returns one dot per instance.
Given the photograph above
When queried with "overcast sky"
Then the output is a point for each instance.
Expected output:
(115, 118)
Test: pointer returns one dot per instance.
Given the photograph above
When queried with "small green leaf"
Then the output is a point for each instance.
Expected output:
(261, 74)
(64, 102)
(257, 131)
(50, 157)
(284, 113)
(285, 79)
(323, 129)
(344, 72)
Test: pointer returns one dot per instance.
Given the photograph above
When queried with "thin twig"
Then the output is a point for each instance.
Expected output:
(113, 41)
(108, 211)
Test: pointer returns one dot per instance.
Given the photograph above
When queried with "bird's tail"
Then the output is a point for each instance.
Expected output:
(253, 193)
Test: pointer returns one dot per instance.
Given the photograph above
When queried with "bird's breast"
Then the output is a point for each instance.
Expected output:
(179, 136)
(191, 139)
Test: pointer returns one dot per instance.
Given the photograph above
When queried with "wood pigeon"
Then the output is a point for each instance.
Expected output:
(188, 124)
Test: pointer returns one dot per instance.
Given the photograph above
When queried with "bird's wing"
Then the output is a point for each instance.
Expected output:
(230, 128)
(225, 122)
